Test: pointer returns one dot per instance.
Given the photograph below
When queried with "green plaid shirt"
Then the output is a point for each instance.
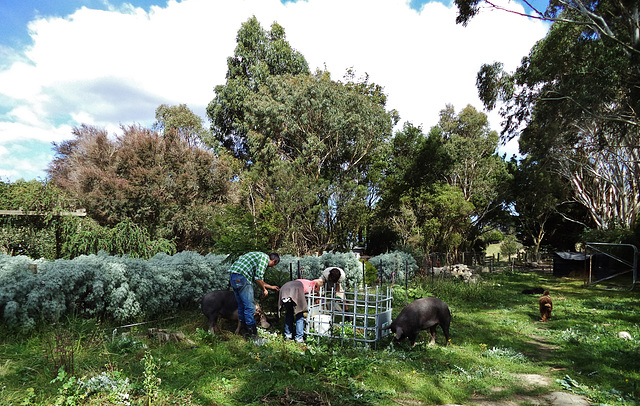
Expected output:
(251, 265)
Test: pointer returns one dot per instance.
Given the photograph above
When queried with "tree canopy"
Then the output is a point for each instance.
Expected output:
(321, 138)
(180, 121)
(301, 163)
(162, 184)
(310, 145)
(258, 55)
(444, 189)
(574, 102)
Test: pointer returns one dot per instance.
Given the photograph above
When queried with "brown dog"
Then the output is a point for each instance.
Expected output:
(546, 305)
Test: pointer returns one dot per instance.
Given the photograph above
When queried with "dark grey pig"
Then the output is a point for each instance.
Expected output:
(222, 303)
(422, 314)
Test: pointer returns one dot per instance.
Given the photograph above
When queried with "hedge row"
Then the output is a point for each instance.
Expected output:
(127, 289)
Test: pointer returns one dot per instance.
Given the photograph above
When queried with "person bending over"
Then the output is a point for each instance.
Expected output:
(333, 277)
(248, 268)
(292, 298)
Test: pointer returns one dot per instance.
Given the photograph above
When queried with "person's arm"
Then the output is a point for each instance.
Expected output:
(264, 263)
(264, 286)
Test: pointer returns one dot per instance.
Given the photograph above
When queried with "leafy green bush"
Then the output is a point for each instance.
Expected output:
(370, 273)
(86, 236)
(492, 237)
(510, 246)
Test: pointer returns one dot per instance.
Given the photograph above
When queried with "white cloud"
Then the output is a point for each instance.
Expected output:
(117, 66)
(11, 132)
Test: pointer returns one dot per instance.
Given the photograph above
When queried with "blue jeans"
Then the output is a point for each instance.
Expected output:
(243, 291)
(289, 320)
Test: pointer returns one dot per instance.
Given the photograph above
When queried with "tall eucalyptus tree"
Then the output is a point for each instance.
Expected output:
(575, 101)
(310, 145)
(324, 139)
(258, 55)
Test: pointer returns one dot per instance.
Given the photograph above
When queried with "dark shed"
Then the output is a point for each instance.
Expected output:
(569, 263)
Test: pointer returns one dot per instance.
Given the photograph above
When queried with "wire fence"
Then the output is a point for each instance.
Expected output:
(358, 315)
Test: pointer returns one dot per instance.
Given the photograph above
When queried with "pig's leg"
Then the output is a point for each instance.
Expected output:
(445, 330)
(412, 338)
(432, 329)
(213, 321)
(234, 316)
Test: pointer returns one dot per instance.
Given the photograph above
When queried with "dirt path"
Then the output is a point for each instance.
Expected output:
(543, 351)
(552, 398)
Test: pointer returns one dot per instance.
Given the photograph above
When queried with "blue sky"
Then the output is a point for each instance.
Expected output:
(16, 15)
(109, 63)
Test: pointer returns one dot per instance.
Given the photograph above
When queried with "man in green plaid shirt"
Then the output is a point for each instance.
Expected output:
(250, 267)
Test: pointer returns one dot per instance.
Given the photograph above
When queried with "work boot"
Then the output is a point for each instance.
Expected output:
(243, 329)
(253, 335)
(253, 330)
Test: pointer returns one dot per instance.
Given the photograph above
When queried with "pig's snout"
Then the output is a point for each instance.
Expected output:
(261, 317)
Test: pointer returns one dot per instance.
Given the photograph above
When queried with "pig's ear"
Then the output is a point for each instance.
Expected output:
(398, 333)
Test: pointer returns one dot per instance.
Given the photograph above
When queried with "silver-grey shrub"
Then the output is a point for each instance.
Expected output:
(103, 285)
(16, 282)
(391, 266)
(127, 289)
(314, 265)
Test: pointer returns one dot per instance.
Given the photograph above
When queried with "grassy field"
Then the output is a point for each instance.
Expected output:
(493, 249)
(496, 335)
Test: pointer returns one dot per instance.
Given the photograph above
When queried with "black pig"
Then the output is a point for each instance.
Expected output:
(222, 303)
(422, 314)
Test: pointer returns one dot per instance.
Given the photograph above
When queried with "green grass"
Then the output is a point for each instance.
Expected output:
(493, 249)
(495, 335)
